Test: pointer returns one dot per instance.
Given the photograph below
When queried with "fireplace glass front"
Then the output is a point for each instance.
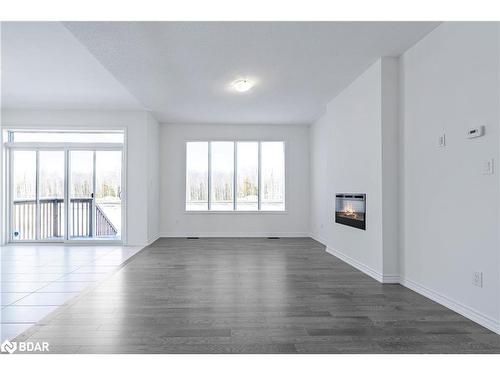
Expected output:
(350, 209)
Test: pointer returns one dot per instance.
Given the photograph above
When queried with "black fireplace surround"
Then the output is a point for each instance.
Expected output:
(350, 209)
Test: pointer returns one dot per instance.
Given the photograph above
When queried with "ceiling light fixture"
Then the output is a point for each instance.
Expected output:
(242, 85)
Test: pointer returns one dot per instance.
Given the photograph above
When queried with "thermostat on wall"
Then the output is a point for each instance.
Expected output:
(475, 132)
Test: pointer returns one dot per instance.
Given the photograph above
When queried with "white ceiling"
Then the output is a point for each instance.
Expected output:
(44, 66)
(181, 70)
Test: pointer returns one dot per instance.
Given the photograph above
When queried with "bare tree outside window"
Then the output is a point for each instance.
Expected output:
(227, 176)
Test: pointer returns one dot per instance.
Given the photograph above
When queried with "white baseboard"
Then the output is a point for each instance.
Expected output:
(358, 265)
(391, 279)
(153, 239)
(458, 307)
(317, 238)
(235, 234)
(386, 279)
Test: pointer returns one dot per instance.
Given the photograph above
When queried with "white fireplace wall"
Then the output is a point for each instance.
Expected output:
(365, 115)
(448, 82)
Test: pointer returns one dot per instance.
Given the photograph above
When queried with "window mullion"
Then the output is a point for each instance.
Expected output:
(37, 196)
(67, 199)
(259, 178)
(209, 176)
(235, 174)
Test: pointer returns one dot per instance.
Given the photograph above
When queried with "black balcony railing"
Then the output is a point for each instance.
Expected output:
(52, 219)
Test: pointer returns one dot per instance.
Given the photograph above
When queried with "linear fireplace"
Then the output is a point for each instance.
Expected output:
(350, 209)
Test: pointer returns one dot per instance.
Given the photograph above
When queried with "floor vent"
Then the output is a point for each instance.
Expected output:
(273, 238)
(193, 238)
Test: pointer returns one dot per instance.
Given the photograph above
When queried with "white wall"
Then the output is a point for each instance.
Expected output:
(390, 167)
(153, 150)
(347, 155)
(139, 153)
(176, 222)
(451, 210)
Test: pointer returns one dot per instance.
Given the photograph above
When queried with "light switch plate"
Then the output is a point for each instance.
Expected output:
(477, 279)
(475, 132)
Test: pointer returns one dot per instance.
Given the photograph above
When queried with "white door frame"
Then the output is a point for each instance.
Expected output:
(66, 147)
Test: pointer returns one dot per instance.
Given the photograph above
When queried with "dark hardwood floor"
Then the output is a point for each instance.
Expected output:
(247, 295)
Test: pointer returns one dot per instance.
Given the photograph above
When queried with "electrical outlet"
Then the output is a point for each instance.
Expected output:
(442, 140)
(488, 167)
(477, 279)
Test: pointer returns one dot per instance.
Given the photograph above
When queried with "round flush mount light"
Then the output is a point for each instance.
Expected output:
(242, 85)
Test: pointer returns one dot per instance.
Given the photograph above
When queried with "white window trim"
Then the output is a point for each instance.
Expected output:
(65, 146)
(234, 211)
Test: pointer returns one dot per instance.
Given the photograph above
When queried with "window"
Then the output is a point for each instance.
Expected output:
(272, 175)
(247, 170)
(221, 176)
(54, 136)
(197, 176)
(235, 176)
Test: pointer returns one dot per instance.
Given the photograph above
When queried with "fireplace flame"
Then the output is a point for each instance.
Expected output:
(349, 210)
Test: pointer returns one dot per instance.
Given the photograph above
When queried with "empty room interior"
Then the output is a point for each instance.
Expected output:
(250, 187)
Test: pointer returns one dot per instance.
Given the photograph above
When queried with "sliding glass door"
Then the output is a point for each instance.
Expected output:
(24, 195)
(43, 181)
(51, 207)
(108, 194)
(81, 194)
(95, 194)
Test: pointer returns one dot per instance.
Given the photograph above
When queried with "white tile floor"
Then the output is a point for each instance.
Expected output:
(36, 279)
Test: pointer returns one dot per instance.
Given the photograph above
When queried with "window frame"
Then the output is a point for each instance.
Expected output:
(9, 145)
(12, 131)
(234, 210)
